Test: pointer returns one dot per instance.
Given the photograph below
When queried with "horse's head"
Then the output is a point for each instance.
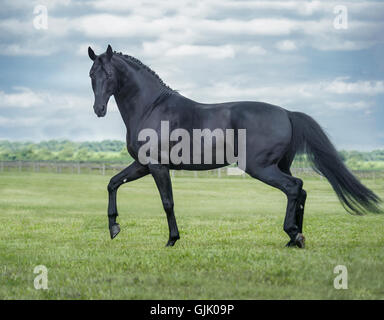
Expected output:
(104, 81)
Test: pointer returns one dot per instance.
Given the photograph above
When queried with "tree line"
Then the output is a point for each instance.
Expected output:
(64, 150)
(115, 151)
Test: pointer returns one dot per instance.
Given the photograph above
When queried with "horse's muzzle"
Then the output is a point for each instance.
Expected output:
(100, 111)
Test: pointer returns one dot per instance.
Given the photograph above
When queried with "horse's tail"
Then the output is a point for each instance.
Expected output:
(308, 137)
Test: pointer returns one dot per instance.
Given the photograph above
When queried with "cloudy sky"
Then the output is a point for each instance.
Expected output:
(288, 53)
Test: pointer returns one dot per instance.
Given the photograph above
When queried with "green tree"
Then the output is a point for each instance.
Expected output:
(67, 153)
(82, 155)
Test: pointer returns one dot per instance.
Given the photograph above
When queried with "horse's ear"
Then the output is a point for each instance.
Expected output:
(109, 52)
(91, 54)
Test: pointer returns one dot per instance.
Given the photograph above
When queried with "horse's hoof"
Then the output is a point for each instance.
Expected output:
(171, 242)
(114, 230)
(300, 241)
(290, 244)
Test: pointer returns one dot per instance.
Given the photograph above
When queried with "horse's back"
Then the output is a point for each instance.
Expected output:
(258, 117)
(233, 114)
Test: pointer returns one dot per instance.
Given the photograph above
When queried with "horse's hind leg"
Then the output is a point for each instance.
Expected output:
(300, 209)
(132, 172)
(284, 166)
(299, 215)
(292, 187)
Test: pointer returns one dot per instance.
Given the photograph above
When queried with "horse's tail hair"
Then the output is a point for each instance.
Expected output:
(308, 137)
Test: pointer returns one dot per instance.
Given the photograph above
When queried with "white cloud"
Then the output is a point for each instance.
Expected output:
(43, 100)
(358, 105)
(286, 45)
(278, 94)
(335, 44)
(339, 86)
(110, 25)
(161, 49)
(155, 48)
(213, 52)
(22, 98)
(57, 27)
(82, 49)
(328, 95)
(25, 49)
(256, 50)
(205, 8)
(193, 23)
(20, 122)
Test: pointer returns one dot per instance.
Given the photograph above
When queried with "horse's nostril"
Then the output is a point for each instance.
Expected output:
(100, 110)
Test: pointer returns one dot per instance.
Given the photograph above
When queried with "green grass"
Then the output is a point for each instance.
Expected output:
(231, 247)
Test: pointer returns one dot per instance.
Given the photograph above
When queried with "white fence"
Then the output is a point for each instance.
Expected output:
(113, 168)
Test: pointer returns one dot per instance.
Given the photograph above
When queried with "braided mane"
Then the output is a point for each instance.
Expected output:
(143, 66)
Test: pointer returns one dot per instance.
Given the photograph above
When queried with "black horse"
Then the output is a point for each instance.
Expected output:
(274, 137)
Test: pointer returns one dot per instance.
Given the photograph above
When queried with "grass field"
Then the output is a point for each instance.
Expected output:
(231, 247)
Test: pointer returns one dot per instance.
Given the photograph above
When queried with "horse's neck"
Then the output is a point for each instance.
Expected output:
(134, 98)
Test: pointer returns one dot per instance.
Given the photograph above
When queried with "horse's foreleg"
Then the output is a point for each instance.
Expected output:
(163, 181)
(132, 172)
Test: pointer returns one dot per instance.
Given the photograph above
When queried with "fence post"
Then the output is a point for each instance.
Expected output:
(103, 169)
(219, 172)
(78, 168)
(2, 166)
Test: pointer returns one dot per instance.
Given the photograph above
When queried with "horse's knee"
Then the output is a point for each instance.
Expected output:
(112, 186)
